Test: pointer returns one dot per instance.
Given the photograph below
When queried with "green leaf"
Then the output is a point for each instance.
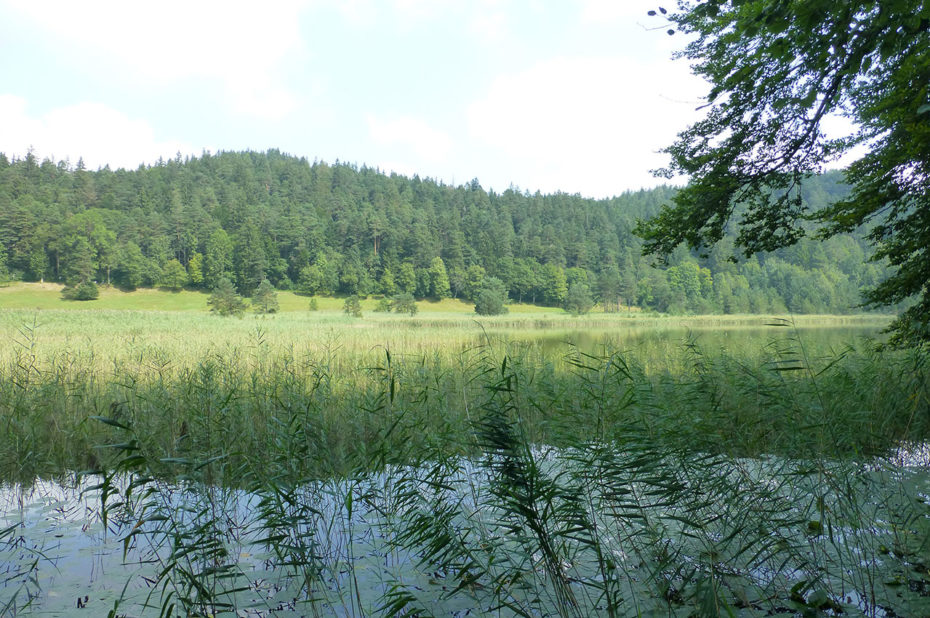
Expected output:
(110, 421)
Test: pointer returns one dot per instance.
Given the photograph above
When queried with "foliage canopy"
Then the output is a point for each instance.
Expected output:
(85, 290)
(777, 70)
(404, 303)
(339, 230)
(492, 297)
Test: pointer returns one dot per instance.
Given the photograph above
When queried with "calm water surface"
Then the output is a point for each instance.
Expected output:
(57, 558)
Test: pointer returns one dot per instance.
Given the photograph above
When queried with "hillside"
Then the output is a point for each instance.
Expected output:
(319, 228)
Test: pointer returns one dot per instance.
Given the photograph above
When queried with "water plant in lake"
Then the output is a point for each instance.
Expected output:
(501, 481)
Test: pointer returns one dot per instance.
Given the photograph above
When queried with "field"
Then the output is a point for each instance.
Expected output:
(527, 464)
(48, 296)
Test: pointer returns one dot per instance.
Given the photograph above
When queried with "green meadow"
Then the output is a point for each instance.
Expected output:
(528, 464)
(48, 296)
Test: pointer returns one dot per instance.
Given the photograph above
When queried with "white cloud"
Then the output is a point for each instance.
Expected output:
(422, 9)
(361, 13)
(490, 25)
(486, 19)
(241, 44)
(270, 101)
(427, 143)
(586, 124)
(99, 134)
(835, 126)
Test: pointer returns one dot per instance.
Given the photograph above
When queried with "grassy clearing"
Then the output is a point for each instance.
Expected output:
(44, 296)
(47, 296)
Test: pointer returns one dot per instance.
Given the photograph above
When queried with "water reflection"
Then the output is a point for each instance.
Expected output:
(335, 556)
(820, 339)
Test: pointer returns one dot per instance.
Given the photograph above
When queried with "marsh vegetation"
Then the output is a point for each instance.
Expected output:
(317, 464)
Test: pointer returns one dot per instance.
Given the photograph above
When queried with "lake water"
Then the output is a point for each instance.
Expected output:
(852, 527)
(823, 338)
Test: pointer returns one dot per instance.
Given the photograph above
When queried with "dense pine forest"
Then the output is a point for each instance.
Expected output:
(320, 228)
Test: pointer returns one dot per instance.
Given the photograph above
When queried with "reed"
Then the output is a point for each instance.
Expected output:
(500, 476)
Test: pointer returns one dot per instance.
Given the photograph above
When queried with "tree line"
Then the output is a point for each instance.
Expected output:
(325, 229)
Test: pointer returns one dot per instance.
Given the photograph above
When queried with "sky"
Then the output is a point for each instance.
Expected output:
(577, 96)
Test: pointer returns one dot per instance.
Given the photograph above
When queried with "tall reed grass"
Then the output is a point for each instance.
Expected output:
(239, 394)
(496, 479)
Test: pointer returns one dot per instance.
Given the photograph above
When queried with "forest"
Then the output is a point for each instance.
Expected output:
(343, 229)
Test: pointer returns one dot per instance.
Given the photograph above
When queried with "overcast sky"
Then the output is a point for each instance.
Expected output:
(543, 95)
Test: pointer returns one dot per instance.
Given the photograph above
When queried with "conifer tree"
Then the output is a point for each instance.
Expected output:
(265, 298)
(224, 300)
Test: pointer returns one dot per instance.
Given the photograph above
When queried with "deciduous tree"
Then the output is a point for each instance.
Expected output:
(438, 279)
(85, 290)
(4, 272)
(132, 266)
(217, 261)
(777, 70)
(491, 297)
(352, 306)
(173, 276)
(578, 299)
(195, 269)
(404, 303)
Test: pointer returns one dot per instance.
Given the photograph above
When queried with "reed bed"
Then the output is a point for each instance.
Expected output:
(687, 476)
(187, 337)
(186, 384)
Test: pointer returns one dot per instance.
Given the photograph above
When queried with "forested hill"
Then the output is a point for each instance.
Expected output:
(342, 229)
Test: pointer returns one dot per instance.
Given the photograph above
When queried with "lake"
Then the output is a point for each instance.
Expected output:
(618, 469)
(334, 556)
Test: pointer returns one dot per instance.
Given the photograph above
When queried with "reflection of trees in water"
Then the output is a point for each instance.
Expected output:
(647, 343)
